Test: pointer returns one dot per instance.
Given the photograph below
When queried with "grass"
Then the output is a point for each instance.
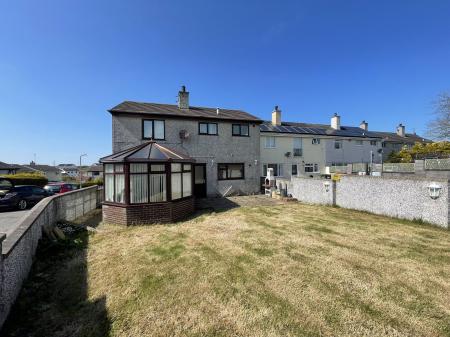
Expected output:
(291, 270)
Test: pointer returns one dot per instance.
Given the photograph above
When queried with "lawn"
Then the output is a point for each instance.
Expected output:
(286, 270)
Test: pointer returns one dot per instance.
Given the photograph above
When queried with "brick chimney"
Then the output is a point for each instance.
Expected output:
(276, 116)
(364, 125)
(336, 122)
(183, 98)
(401, 130)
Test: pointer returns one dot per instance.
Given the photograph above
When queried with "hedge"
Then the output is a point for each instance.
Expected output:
(27, 179)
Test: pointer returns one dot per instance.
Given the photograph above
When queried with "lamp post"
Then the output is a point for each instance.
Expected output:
(81, 155)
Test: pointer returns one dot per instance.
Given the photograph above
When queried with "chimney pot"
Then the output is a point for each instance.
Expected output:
(276, 116)
(183, 98)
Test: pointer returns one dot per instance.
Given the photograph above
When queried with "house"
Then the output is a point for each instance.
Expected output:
(94, 171)
(308, 149)
(8, 168)
(396, 141)
(70, 170)
(224, 143)
(52, 173)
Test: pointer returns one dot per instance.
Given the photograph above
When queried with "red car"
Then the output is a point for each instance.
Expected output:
(56, 188)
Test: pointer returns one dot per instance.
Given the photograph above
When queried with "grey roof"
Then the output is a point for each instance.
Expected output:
(36, 167)
(316, 129)
(410, 138)
(95, 168)
(172, 110)
(5, 166)
(147, 152)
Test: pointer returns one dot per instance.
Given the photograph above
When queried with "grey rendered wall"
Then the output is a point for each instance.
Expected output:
(312, 190)
(20, 246)
(350, 152)
(404, 197)
(224, 148)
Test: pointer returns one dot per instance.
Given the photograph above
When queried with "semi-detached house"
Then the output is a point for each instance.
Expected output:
(224, 143)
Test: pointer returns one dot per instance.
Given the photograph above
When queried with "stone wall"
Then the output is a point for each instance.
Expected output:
(19, 247)
(404, 197)
(311, 190)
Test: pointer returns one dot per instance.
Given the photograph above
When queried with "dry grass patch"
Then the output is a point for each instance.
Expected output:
(288, 270)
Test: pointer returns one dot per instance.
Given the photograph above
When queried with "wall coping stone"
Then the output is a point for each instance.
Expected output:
(13, 238)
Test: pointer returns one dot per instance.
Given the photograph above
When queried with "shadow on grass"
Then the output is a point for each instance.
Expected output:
(54, 300)
(218, 204)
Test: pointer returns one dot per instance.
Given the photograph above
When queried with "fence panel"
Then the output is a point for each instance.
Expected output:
(437, 164)
(398, 167)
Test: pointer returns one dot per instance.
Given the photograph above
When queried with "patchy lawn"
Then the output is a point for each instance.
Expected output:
(285, 270)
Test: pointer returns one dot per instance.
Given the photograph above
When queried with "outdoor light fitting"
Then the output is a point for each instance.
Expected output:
(434, 190)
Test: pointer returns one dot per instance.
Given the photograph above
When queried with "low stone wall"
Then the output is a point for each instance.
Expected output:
(161, 212)
(19, 247)
(404, 197)
(311, 190)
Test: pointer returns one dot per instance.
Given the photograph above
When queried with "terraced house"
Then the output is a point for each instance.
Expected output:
(224, 143)
(308, 149)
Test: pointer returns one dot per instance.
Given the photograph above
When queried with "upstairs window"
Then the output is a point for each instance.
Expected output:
(269, 142)
(373, 143)
(297, 147)
(240, 130)
(338, 144)
(153, 129)
(359, 142)
(207, 129)
(315, 141)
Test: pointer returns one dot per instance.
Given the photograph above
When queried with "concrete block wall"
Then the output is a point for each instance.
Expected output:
(19, 247)
(404, 197)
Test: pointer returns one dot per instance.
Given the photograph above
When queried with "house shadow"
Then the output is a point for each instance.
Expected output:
(218, 204)
(54, 299)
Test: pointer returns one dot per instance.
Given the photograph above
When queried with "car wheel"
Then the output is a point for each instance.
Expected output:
(22, 204)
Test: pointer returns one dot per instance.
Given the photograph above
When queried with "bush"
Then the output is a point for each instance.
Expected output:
(28, 179)
(97, 181)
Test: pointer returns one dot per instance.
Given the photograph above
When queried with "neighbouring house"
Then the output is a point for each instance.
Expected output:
(52, 173)
(69, 170)
(8, 168)
(293, 149)
(94, 171)
(396, 141)
(224, 143)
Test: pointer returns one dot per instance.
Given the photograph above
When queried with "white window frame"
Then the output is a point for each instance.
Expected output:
(314, 166)
(336, 142)
(269, 144)
(315, 141)
(279, 172)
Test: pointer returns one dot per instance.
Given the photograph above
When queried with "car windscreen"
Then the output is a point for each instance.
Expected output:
(5, 184)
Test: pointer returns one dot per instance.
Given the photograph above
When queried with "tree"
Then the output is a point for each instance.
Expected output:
(439, 127)
(420, 151)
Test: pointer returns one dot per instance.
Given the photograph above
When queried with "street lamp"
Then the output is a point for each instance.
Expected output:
(81, 155)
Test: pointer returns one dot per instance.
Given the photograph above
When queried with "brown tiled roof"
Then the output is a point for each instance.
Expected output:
(173, 110)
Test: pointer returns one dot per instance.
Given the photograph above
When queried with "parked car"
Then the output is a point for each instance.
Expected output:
(56, 188)
(21, 196)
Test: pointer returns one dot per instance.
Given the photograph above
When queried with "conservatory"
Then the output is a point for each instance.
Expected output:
(148, 183)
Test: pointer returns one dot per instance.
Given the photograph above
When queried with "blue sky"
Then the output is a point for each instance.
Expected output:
(64, 63)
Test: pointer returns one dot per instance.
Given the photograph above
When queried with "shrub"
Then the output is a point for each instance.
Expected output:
(28, 179)
(97, 181)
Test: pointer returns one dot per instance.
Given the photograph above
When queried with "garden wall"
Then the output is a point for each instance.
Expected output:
(19, 247)
(401, 197)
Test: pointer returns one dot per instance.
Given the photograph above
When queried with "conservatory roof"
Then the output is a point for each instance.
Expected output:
(147, 152)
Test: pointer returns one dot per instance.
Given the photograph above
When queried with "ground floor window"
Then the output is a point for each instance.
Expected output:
(311, 168)
(277, 169)
(114, 183)
(230, 171)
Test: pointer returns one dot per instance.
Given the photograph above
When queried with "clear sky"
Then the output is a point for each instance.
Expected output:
(64, 63)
